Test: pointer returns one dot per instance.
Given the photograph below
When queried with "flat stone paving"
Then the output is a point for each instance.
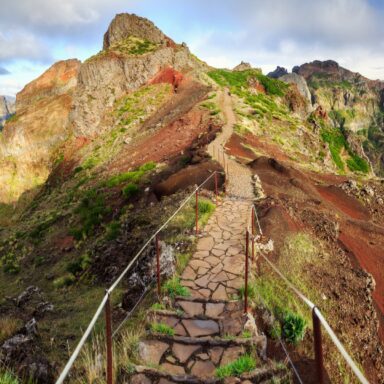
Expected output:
(216, 270)
(213, 276)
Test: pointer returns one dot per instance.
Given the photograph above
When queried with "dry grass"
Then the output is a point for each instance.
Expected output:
(91, 366)
(8, 326)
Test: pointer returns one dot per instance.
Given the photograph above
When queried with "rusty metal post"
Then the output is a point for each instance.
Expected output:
(318, 347)
(216, 191)
(253, 232)
(197, 211)
(246, 273)
(158, 264)
(108, 333)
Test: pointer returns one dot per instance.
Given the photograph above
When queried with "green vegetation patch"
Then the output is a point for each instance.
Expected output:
(91, 212)
(212, 107)
(173, 288)
(79, 265)
(293, 327)
(336, 142)
(162, 328)
(243, 364)
(64, 281)
(8, 378)
(132, 176)
(241, 79)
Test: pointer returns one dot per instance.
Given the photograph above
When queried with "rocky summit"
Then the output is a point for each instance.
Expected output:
(97, 155)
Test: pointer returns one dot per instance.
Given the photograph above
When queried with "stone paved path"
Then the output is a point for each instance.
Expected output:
(209, 324)
(216, 270)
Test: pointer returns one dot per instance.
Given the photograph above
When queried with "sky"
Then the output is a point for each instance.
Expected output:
(36, 33)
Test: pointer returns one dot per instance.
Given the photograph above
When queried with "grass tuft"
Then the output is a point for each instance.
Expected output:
(8, 326)
(8, 378)
(162, 328)
(243, 364)
(173, 288)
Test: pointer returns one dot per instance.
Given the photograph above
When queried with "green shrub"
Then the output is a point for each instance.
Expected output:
(10, 263)
(293, 328)
(173, 288)
(162, 328)
(79, 265)
(112, 230)
(148, 166)
(64, 281)
(92, 211)
(130, 190)
(243, 364)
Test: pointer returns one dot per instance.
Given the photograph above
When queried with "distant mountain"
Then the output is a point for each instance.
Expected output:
(7, 108)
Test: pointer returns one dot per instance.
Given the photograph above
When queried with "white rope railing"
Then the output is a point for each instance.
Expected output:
(87, 332)
(317, 312)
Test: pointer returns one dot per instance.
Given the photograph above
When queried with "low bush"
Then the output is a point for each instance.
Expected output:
(293, 328)
(130, 190)
(243, 364)
(112, 230)
(64, 281)
(79, 265)
(92, 211)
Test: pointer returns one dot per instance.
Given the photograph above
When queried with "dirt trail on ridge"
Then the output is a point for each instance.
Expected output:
(239, 176)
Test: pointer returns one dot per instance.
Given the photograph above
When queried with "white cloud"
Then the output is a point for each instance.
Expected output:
(21, 45)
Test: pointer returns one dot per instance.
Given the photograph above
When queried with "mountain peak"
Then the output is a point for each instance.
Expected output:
(125, 25)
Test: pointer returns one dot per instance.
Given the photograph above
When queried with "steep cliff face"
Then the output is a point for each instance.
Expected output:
(134, 52)
(353, 104)
(39, 126)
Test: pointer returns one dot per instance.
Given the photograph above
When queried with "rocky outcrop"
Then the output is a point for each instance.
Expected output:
(353, 103)
(242, 66)
(111, 74)
(38, 128)
(301, 84)
(125, 25)
(7, 108)
(278, 72)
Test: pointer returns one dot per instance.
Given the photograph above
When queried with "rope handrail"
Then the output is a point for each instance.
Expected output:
(317, 312)
(104, 300)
